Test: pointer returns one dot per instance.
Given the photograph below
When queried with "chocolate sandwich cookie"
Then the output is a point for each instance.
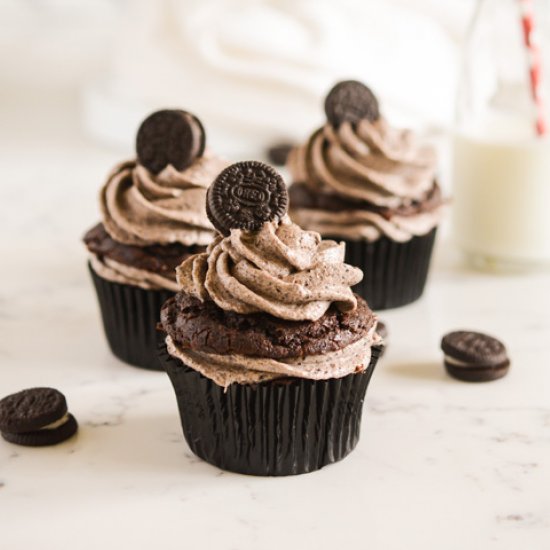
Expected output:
(245, 196)
(474, 356)
(36, 417)
(278, 153)
(170, 136)
(351, 101)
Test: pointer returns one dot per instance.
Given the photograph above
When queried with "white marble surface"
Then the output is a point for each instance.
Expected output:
(441, 464)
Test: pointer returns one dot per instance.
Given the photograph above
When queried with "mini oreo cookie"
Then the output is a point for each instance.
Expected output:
(31, 409)
(245, 196)
(36, 417)
(351, 101)
(474, 356)
(170, 136)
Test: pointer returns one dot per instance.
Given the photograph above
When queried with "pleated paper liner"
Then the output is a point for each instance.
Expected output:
(275, 428)
(130, 315)
(395, 273)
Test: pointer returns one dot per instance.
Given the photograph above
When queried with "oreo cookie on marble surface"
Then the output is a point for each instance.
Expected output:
(170, 136)
(51, 435)
(351, 101)
(36, 417)
(474, 356)
(245, 196)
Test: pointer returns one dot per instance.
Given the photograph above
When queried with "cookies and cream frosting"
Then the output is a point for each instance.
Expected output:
(280, 270)
(225, 370)
(118, 272)
(372, 164)
(140, 208)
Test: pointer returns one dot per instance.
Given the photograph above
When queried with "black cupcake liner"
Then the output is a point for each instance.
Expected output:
(395, 273)
(130, 315)
(277, 428)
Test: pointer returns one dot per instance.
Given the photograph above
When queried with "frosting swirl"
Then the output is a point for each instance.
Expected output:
(140, 208)
(225, 370)
(127, 275)
(374, 165)
(280, 270)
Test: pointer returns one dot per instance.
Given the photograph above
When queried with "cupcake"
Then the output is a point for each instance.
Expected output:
(153, 218)
(268, 349)
(359, 180)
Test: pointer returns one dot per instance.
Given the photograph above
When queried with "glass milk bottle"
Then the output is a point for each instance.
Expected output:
(501, 146)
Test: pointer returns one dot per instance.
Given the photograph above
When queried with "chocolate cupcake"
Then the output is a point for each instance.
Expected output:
(267, 347)
(359, 180)
(153, 218)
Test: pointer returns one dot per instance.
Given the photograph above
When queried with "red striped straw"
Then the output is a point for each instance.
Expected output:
(535, 65)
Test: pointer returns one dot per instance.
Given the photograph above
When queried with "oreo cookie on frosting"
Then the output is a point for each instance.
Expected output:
(169, 137)
(351, 101)
(36, 417)
(474, 356)
(245, 196)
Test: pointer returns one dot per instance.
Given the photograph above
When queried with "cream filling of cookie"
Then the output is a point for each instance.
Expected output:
(225, 370)
(126, 275)
(456, 362)
(57, 424)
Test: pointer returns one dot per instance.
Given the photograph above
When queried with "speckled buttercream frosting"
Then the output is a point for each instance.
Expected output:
(142, 210)
(280, 270)
(363, 181)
